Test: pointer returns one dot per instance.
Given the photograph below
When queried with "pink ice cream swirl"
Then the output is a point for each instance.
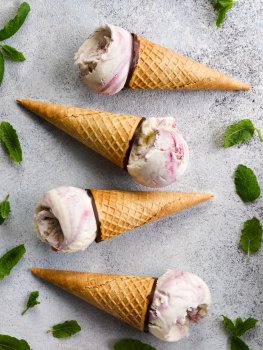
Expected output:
(180, 299)
(65, 219)
(159, 155)
(104, 59)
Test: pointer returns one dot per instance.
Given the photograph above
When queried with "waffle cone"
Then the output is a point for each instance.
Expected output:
(160, 68)
(121, 211)
(106, 133)
(125, 297)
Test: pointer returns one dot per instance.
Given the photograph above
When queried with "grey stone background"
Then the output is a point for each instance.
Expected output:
(204, 239)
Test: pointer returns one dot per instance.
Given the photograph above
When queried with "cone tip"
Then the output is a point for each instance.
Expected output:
(245, 87)
(34, 270)
(208, 196)
(37, 271)
(22, 101)
(230, 83)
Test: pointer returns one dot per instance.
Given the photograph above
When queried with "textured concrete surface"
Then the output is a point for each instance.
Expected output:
(204, 239)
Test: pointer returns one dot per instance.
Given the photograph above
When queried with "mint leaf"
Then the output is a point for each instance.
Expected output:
(239, 322)
(238, 344)
(222, 15)
(32, 301)
(243, 326)
(11, 343)
(2, 67)
(4, 209)
(12, 54)
(239, 328)
(14, 24)
(229, 324)
(247, 186)
(11, 142)
(240, 132)
(223, 6)
(9, 260)
(132, 344)
(66, 329)
(251, 236)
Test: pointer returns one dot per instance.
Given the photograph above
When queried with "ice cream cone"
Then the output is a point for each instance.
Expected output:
(120, 211)
(156, 67)
(106, 133)
(125, 297)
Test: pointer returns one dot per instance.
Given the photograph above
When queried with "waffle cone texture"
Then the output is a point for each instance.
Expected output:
(124, 297)
(121, 211)
(106, 133)
(160, 68)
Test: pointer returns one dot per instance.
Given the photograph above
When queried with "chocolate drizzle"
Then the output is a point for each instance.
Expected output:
(135, 58)
(128, 152)
(150, 298)
(98, 238)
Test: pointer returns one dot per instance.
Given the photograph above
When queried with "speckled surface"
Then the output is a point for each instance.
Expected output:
(202, 240)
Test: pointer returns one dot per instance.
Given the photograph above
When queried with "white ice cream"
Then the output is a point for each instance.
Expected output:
(159, 155)
(65, 219)
(180, 299)
(104, 59)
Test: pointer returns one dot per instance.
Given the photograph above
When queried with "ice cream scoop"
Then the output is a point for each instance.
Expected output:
(165, 307)
(65, 219)
(153, 150)
(159, 155)
(69, 219)
(112, 58)
(104, 59)
(180, 299)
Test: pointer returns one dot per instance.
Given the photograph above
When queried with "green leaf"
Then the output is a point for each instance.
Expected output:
(223, 3)
(243, 326)
(2, 67)
(32, 301)
(229, 324)
(14, 24)
(12, 54)
(251, 236)
(239, 132)
(66, 329)
(10, 139)
(10, 259)
(246, 182)
(238, 344)
(222, 15)
(11, 343)
(132, 344)
(222, 6)
(4, 209)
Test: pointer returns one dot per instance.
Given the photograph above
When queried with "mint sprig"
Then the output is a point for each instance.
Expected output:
(246, 182)
(9, 138)
(4, 209)
(240, 132)
(223, 6)
(12, 343)
(65, 330)
(238, 344)
(237, 329)
(9, 30)
(251, 236)
(12, 54)
(132, 344)
(10, 259)
(32, 301)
